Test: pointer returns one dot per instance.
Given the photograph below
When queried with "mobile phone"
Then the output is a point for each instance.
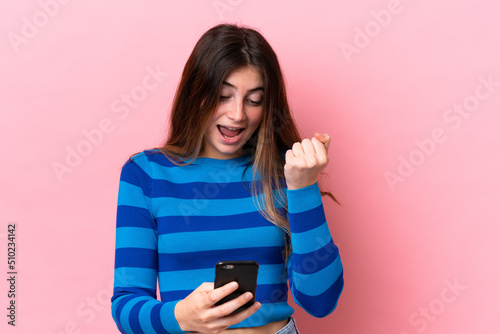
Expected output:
(242, 272)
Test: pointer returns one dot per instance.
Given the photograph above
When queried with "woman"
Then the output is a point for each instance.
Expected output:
(233, 181)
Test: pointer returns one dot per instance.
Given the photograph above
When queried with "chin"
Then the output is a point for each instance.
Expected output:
(230, 153)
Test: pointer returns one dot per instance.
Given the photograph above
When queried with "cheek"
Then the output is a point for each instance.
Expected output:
(218, 113)
(257, 119)
(212, 124)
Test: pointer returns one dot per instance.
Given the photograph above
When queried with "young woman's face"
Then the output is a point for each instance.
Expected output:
(237, 115)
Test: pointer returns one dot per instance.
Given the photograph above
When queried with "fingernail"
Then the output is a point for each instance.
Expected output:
(248, 296)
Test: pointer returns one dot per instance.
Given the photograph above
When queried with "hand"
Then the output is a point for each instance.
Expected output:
(305, 161)
(198, 313)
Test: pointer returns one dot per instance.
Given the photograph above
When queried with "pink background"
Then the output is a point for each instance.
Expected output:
(385, 78)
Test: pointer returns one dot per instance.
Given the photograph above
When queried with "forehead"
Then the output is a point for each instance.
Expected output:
(244, 76)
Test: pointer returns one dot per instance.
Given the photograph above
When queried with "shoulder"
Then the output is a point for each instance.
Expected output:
(146, 162)
(149, 157)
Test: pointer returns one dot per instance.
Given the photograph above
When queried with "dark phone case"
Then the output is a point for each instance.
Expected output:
(244, 273)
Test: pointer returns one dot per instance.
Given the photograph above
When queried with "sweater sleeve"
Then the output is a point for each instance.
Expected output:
(315, 270)
(134, 306)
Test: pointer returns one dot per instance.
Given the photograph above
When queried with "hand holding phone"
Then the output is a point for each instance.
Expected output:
(242, 272)
(196, 313)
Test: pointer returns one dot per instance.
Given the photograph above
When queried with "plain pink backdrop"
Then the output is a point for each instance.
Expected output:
(400, 86)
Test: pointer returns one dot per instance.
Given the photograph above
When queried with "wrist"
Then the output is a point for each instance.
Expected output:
(179, 316)
(301, 183)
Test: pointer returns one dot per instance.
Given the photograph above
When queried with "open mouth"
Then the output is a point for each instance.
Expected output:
(229, 132)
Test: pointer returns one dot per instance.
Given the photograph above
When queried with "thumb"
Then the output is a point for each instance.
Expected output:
(205, 286)
(324, 139)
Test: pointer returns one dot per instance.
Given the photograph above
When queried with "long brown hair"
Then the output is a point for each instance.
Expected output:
(221, 50)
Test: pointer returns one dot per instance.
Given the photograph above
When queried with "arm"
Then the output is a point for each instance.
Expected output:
(314, 269)
(135, 308)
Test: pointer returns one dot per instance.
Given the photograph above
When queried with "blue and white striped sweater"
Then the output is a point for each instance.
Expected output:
(174, 223)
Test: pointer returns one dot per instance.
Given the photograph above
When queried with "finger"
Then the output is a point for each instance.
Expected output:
(308, 147)
(206, 286)
(324, 139)
(288, 155)
(240, 316)
(217, 294)
(319, 147)
(230, 306)
(225, 322)
(297, 149)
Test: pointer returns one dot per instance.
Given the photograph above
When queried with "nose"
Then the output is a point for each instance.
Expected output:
(236, 111)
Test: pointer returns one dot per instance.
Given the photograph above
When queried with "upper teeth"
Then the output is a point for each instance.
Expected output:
(227, 127)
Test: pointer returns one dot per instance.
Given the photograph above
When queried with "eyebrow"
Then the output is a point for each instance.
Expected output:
(225, 83)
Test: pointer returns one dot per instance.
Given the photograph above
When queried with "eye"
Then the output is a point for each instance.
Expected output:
(222, 97)
(255, 103)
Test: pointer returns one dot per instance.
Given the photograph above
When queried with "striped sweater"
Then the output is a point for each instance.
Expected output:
(174, 223)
